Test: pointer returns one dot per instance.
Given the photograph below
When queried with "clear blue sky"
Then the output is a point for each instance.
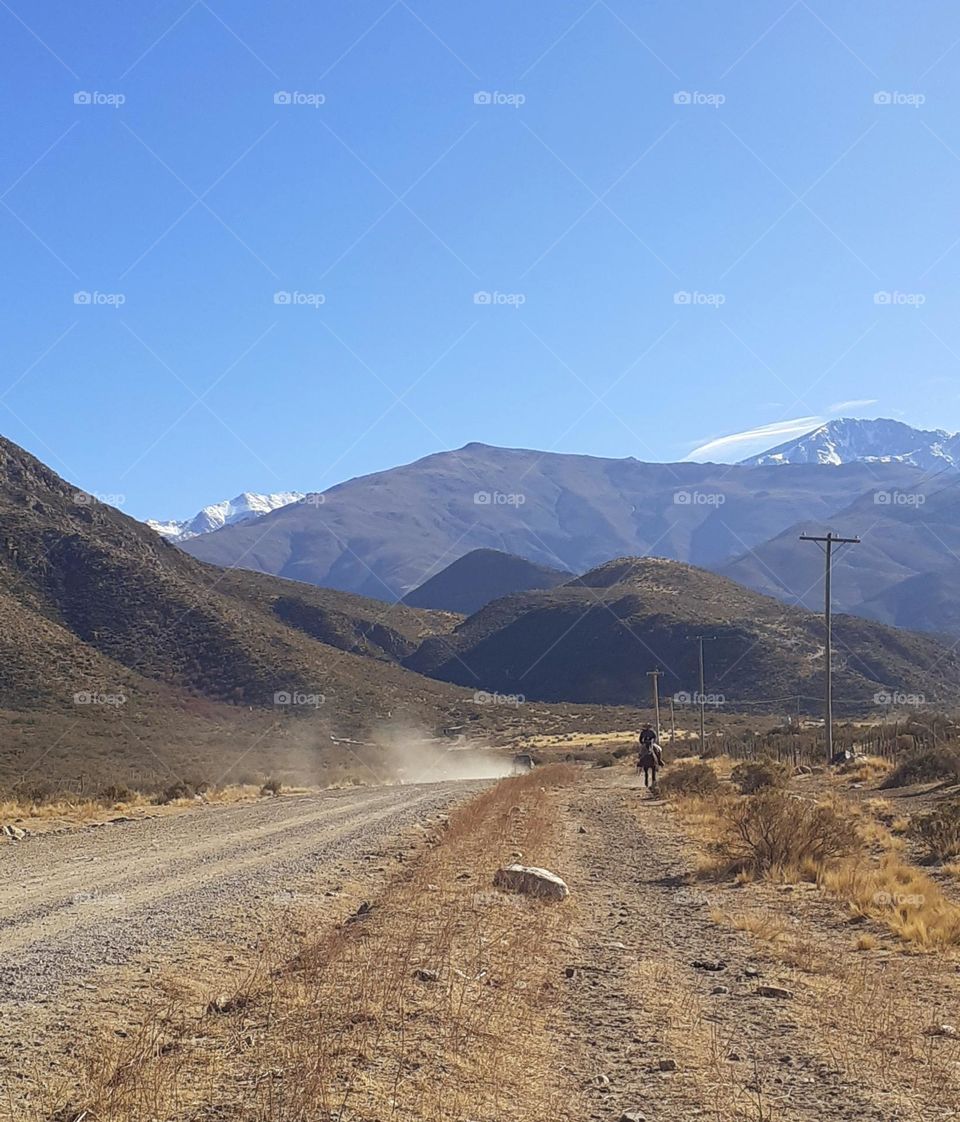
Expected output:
(795, 199)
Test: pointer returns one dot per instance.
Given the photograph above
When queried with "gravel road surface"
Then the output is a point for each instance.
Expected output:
(74, 902)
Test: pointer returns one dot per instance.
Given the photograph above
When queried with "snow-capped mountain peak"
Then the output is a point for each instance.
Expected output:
(244, 508)
(848, 440)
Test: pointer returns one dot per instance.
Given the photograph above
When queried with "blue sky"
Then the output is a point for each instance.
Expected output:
(680, 217)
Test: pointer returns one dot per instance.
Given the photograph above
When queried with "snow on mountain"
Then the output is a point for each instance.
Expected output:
(246, 507)
(847, 440)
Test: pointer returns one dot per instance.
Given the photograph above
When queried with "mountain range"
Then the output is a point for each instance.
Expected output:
(121, 656)
(383, 535)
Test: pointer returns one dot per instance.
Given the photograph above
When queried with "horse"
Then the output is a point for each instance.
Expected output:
(649, 761)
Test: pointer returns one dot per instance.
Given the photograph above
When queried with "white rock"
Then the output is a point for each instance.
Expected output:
(531, 881)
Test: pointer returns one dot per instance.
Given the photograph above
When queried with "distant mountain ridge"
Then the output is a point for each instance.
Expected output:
(245, 507)
(847, 440)
(378, 534)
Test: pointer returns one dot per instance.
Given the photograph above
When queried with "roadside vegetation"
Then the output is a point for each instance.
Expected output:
(411, 1008)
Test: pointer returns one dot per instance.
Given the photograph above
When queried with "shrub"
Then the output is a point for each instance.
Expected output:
(687, 780)
(116, 793)
(925, 767)
(178, 790)
(603, 759)
(772, 832)
(939, 830)
(273, 786)
(759, 774)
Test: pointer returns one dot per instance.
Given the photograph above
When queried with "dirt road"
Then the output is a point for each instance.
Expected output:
(86, 913)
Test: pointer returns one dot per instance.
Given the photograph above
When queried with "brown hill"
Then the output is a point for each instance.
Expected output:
(595, 638)
(122, 656)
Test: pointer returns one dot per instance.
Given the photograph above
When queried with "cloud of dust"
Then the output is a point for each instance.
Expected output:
(410, 755)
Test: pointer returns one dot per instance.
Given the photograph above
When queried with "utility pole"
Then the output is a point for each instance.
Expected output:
(673, 724)
(828, 542)
(702, 695)
(654, 676)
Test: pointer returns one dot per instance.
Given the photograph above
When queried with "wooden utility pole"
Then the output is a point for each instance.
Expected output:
(654, 676)
(702, 695)
(828, 542)
(673, 724)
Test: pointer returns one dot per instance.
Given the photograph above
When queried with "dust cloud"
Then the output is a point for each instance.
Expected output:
(410, 755)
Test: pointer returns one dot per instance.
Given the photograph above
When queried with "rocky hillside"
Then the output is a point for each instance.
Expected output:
(595, 638)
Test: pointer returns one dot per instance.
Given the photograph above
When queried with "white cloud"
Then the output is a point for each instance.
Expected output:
(764, 436)
(856, 403)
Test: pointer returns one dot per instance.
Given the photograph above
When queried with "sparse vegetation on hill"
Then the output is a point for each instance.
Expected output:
(594, 638)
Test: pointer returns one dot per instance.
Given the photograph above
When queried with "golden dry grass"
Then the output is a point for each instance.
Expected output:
(899, 896)
(413, 1010)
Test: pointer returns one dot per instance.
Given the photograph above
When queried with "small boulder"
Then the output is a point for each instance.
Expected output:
(668, 1065)
(633, 1116)
(423, 975)
(774, 991)
(708, 964)
(15, 832)
(531, 881)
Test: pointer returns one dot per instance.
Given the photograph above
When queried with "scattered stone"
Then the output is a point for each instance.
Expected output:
(633, 1116)
(708, 964)
(423, 975)
(582, 830)
(15, 832)
(734, 1057)
(720, 989)
(668, 1065)
(751, 972)
(941, 1030)
(570, 972)
(601, 1080)
(531, 881)
(774, 991)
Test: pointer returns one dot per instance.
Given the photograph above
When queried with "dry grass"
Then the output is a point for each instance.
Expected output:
(899, 896)
(868, 769)
(411, 1010)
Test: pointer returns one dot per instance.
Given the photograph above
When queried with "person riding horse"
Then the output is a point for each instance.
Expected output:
(649, 757)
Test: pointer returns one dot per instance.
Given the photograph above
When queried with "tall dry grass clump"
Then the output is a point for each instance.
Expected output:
(428, 1004)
